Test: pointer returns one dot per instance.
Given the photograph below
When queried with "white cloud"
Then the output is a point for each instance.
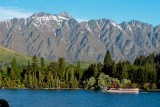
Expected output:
(13, 12)
(7, 13)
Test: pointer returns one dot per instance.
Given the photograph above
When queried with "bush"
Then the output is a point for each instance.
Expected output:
(90, 82)
(134, 85)
(125, 83)
(146, 86)
(153, 86)
(106, 81)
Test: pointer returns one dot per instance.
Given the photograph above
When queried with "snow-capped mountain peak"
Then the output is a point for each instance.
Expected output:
(60, 35)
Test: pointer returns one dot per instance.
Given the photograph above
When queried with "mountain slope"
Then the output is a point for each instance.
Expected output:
(7, 55)
(60, 35)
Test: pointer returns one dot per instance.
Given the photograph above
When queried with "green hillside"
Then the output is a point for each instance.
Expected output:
(7, 55)
(83, 64)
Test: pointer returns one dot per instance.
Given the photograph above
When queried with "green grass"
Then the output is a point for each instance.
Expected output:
(7, 55)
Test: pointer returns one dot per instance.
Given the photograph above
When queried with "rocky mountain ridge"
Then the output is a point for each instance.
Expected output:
(60, 35)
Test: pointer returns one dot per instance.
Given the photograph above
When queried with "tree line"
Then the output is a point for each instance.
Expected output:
(143, 73)
(34, 75)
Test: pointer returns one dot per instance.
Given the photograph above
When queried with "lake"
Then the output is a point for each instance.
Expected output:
(78, 98)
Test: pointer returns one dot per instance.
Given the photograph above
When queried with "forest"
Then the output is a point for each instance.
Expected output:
(144, 73)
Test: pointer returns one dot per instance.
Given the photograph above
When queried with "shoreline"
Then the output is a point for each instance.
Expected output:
(25, 88)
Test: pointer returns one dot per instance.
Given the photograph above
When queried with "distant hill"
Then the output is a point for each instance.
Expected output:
(7, 55)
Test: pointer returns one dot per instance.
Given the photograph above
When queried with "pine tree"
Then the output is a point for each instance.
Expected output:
(124, 71)
(113, 70)
(40, 78)
(49, 79)
(67, 78)
(107, 64)
(100, 66)
(72, 78)
(107, 59)
(28, 66)
(71, 75)
(79, 71)
(95, 69)
(54, 68)
(61, 68)
(35, 63)
(42, 63)
(30, 78)
(119, 70)
(34, 70)
(15, 71)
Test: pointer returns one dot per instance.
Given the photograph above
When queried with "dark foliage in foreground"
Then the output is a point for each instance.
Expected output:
(3, 103)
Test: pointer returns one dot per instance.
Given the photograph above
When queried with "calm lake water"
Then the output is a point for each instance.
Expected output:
(78, 98)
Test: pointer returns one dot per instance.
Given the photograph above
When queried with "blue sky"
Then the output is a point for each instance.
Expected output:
(117, 10)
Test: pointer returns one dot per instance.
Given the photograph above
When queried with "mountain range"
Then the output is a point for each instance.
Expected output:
(60, 35)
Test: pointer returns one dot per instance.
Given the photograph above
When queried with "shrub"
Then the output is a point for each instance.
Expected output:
(125, 83)
(146, 86)
(153, 86)
(90, 82)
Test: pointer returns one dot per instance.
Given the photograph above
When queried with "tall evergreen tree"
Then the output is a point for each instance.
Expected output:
(72, 78)
(41, 77)
(95, 70)
(107, 64)
(67, 78)
(100, 66)
(34, 63)
(119, 70)
(79, 71)
(107, 59)
(28, 66)
(113, 69)
(124, 71)
(34, 70)
(42, 63)
(54, 68)
(15, 71)
(61, 68)
(50, 80)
